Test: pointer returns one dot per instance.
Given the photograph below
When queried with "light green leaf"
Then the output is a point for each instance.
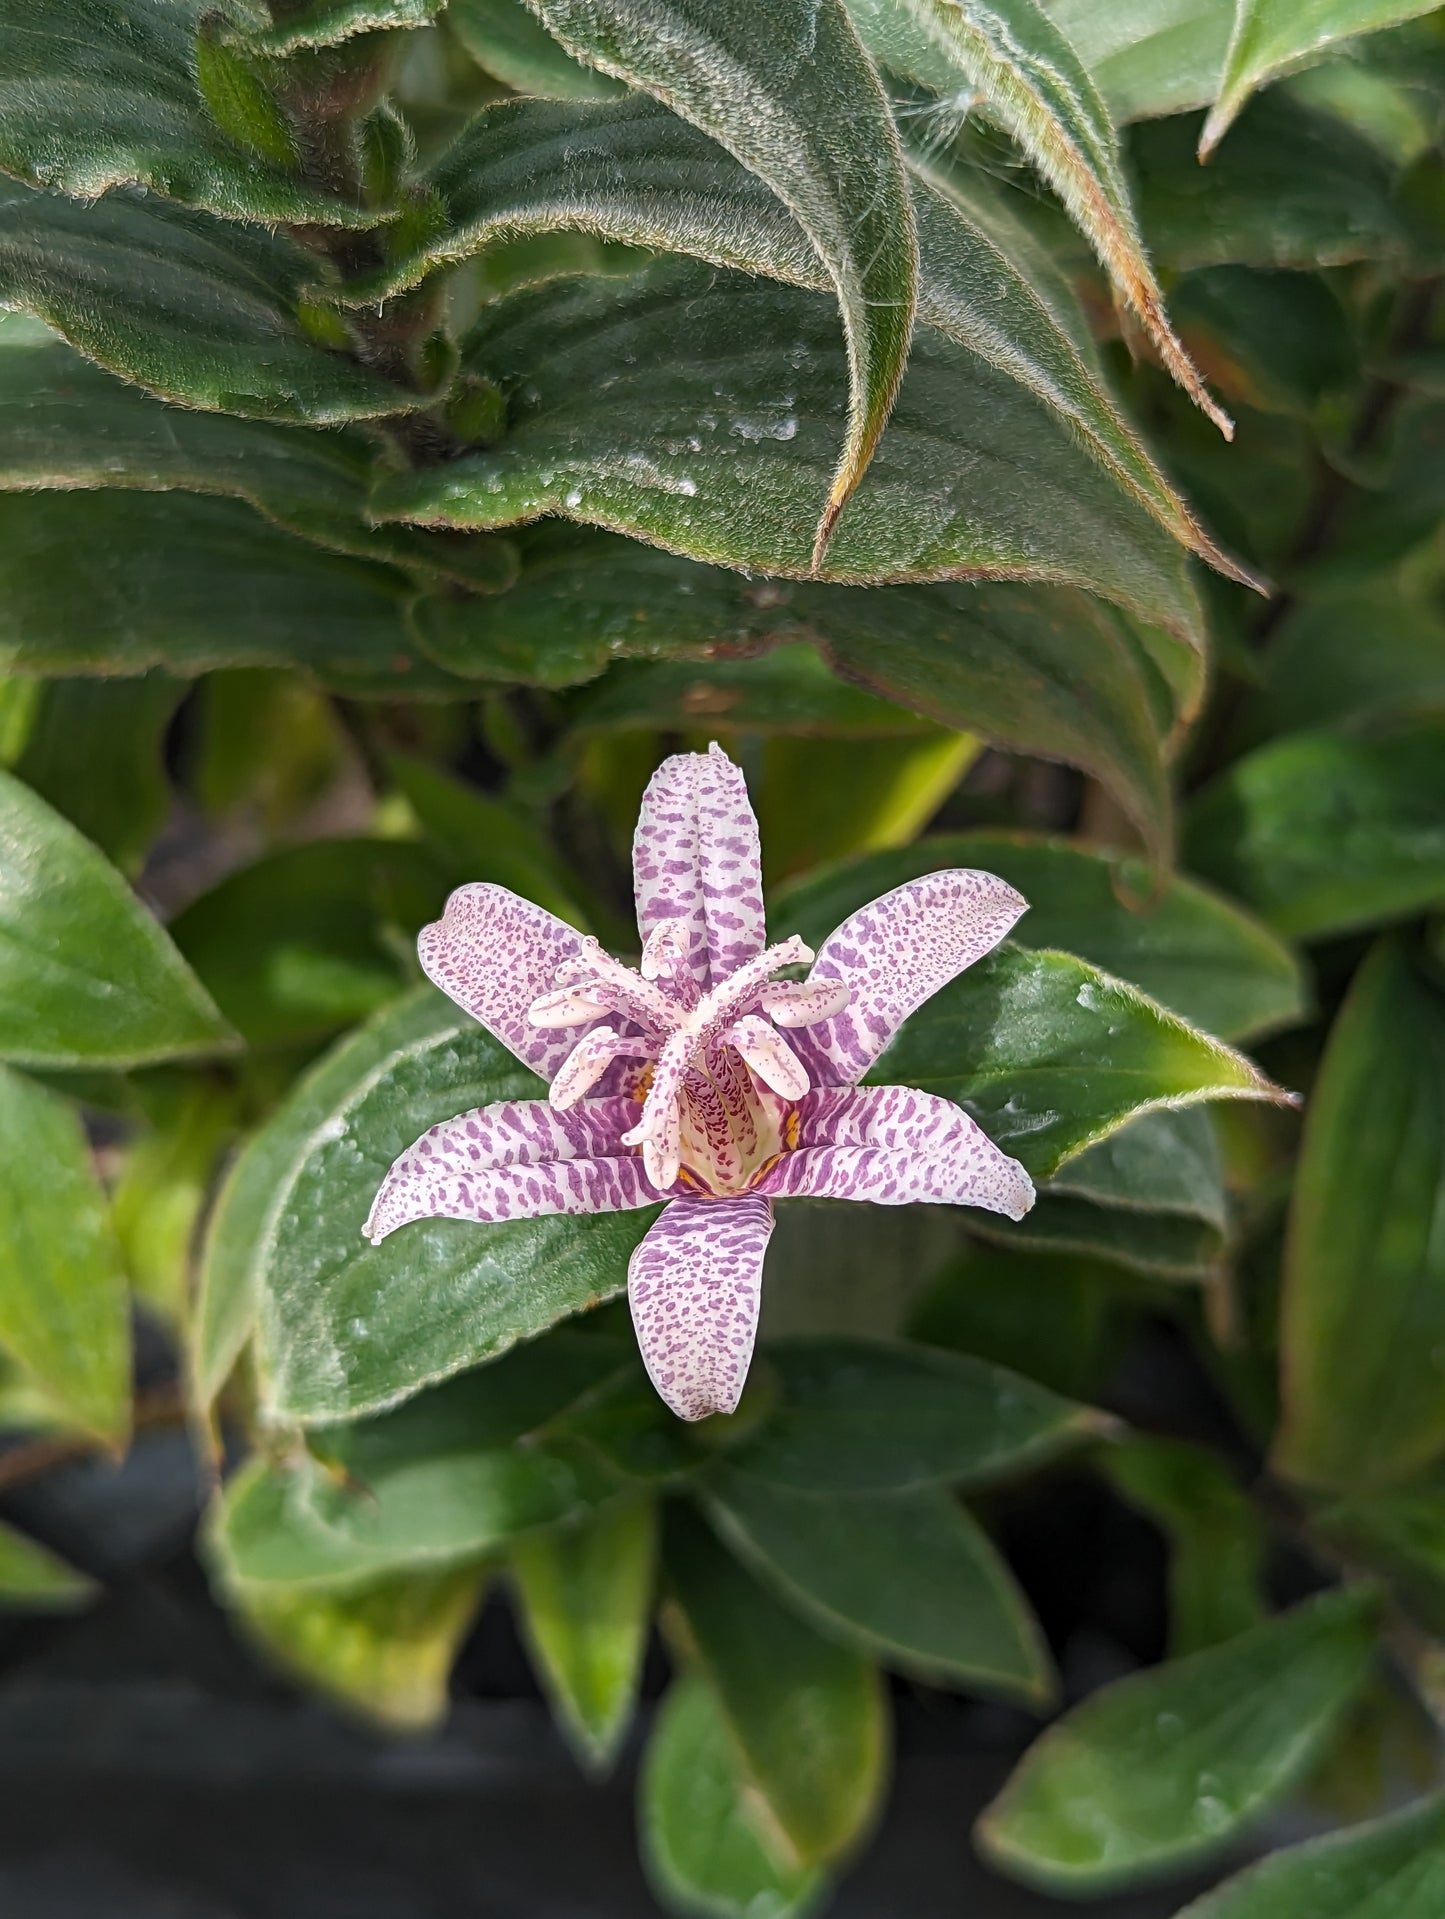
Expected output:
(1324, 834)
(706, 1845)
(33, 1579)
(1039, 670)
(384, 1651)
(117, 583)
(1184, 946)
(157, 1201)
(1363, 1325)
(1170, 1765)
(631, 171)
(93, 751)
(793, 96)
(345, 1327)
(817, 799)
(807, 1716)
(87, 977)
(63, 1309)
(1216, 1538)
(505, 39)
(66, 424)
(477, 837)
(908, 1577)
(585, 1595)
(698, 410)
(866, 1416)
(1151, 57)
(100, 96)
(1385, 1869)
(1272, 37)
(1012, 60)
(1051, 1055)
(190, 307)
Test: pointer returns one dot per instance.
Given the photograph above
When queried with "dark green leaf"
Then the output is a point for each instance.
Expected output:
(1272, 37)
(87, 977)
(807, 1716)
(1216, 1539)
(384, 1651)
(1187, 948)
(1324, 833)
(1050, 1055)
(63, 1310)
(505, 39)
(346, 1327)
(1277, 341)
(706, 1844)
(1387, 1869)
(326, 23)
(1400, 1532)
(860, 1416)
(1152, 57)
(1170, 1765)
(585, 1595)
(67, 424)
(795, 98)
(1040, 670)
(1363, 1326)
(908, 1577)
(700, 410)
(1049, 1312)
(98, 95)
(33, 1579)
(190, 307)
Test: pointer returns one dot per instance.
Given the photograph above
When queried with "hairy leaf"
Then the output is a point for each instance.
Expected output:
(1010, 57)
(1051, 1055)
(1152, 57)
(1363, 1325)
(1170, 1765)
(792, 95)
(505, 39)
(326, 23)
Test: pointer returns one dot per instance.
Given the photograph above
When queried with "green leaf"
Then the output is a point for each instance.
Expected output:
(1049, 1312)
(1324, 834)
(326, 23)
(1399, 1531)
(312, 938)
(63, 1310)
(190, 307)
(1184, 946)
(1153, 57)
(345, 1327)
(100, 96)
(865, 1416)
(586, 1605)
(1170, 1765)
(1150, 1197)
(1291, 188)
(1385, 1869)
(1013, 60)
(384, 1651)
(64, 423)
(87, 976)
(117, 583)
(816, 799)
(477, 837)
(1216, 1539)
(1272, 37)
(33, 1579)
(1039, 670)
(618, 421)
(1363, 1324)
(505, 39)
(908, 1577)
(1280, 342)
(94, 752)
(807, 1716)
(633, 172)
(1051, 1055)
(796, 100)
(157, 1201)
(706, 1845)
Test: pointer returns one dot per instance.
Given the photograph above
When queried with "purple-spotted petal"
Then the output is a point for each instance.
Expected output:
(694, 1283)
(520, 1159)
(894, 1146)
(695, 859)
(497, 954)
(895, 954)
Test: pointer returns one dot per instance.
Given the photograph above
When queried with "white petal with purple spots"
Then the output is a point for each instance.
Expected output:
(695, 858)
(694, 1283)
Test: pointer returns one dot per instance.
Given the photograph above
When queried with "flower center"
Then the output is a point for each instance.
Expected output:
(723, 1077)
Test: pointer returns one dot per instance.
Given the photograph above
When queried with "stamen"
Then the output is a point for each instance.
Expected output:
(589, 1060)
(568, 1006)
(804, 1002)
(619, 988)
(769, 1055)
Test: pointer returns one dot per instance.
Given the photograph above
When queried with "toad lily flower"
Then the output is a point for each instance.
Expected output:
(701, 1079)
